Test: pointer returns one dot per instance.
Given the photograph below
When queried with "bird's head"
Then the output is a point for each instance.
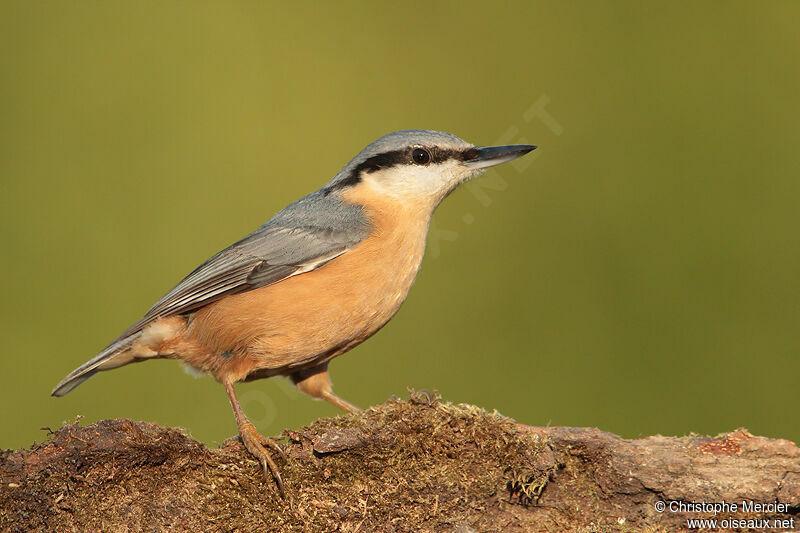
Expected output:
(421, 165)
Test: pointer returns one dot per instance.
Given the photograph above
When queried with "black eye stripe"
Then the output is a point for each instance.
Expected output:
(402, 157)
(384, 160)
(440, 155)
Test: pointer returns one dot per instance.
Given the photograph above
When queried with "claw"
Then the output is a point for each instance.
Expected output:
(254, 443)
(275, 447)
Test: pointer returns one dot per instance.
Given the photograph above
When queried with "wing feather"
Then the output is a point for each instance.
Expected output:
(305, 235)
(267, 256)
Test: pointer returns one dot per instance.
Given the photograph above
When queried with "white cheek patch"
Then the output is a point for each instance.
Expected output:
(419, 183)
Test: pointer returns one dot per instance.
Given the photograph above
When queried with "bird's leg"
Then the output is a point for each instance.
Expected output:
(316, 383)
(254, 441)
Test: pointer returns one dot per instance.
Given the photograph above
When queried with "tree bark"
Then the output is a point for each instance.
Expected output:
(416, 465)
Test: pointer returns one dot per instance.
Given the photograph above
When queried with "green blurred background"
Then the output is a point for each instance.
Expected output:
(639, 274)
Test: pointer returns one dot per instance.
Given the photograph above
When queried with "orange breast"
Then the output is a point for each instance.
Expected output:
(317, 315)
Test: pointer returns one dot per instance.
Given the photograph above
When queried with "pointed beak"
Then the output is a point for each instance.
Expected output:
(496, 155)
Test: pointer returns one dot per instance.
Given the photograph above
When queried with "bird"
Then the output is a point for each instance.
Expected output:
(318, 278)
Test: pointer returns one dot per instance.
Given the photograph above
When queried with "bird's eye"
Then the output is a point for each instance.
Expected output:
(421, 156)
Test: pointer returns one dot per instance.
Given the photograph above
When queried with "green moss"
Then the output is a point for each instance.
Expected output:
(416, 465)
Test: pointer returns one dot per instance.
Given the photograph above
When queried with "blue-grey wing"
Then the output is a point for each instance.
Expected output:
(302, 237)
(261, 259)
(305, 235)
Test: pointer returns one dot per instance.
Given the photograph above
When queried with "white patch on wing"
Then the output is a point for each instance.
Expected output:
(308, 267)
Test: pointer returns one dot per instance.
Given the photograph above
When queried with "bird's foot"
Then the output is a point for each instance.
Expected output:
(255, 443)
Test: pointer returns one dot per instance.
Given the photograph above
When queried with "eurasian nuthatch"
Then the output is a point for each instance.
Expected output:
(317, 279)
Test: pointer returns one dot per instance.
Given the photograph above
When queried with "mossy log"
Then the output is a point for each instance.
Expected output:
(416, 465)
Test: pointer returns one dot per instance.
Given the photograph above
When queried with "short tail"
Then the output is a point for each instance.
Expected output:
(117, 353)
